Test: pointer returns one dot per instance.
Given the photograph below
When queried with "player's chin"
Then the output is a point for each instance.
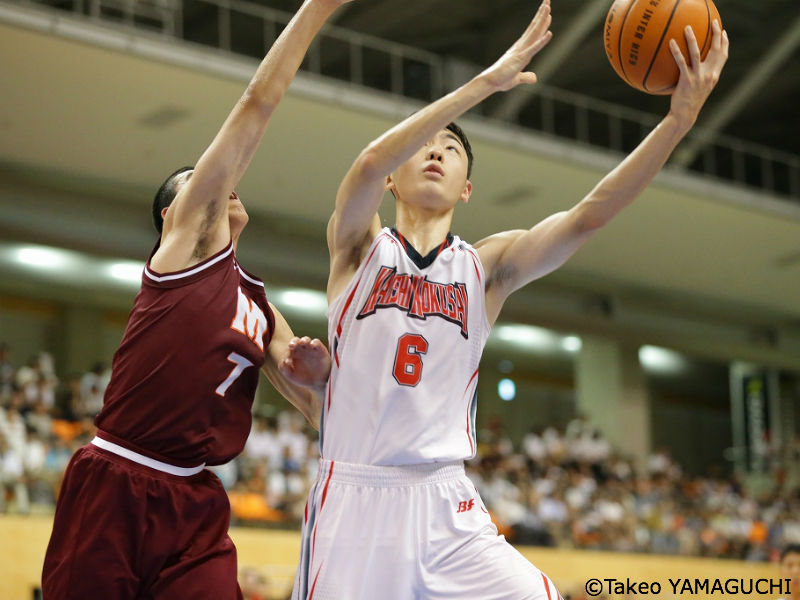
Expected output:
(237, 217)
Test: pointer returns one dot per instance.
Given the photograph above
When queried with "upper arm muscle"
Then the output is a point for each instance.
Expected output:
(513, 259)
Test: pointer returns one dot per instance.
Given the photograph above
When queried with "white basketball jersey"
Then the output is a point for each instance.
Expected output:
(406, 338)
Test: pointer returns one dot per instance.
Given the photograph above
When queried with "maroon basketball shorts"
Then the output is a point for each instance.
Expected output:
(124, 530)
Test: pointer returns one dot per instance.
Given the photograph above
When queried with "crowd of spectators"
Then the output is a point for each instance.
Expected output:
(558, 487)
(42, 422)
(569, 488)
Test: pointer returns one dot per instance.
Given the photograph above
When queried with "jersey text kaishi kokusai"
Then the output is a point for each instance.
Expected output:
(419, 297)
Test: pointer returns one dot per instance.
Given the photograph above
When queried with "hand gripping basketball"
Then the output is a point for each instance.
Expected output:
(698, 78)
(507, 72)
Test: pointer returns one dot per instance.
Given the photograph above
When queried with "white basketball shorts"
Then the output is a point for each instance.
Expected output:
(417, 532)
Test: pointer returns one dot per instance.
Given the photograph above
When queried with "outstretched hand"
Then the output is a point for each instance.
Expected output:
(698, 78)
(508, 72)
(307, 363)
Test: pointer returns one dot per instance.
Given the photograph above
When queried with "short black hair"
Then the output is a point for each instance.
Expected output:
(790, 549)
(464, 142)
(164, 197)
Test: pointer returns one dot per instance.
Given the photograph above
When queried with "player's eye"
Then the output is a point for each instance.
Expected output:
(454, 148)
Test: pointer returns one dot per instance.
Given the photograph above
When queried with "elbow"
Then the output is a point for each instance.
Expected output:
(368, 165)
(260, 100)
(589, 216)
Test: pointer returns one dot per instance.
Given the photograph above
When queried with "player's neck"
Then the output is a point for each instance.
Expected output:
(423, 228)
(235, 237)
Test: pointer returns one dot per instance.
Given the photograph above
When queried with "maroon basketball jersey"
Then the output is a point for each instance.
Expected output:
(184, 377)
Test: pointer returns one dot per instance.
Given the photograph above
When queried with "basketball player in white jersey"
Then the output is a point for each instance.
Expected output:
(392, 515)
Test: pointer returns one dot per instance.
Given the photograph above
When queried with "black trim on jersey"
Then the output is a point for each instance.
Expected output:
(423, 262)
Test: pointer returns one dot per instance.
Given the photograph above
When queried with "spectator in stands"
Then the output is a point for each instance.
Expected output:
(37, 380)
(93, 388)
(790, 569)
(12, 480)
(12, 425)
(292, 437)
(7, 371)
(263, 443)
(33, 458)
(40, 420)
(254, 584)
(533, 445)
(286, 487)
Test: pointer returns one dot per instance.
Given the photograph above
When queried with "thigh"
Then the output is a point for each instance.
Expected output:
(210, 573)
(197, 557)
(468, 560)
(358, 544)
(95, 541)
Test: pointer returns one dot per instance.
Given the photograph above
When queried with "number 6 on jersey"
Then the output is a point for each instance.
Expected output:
(408, 359)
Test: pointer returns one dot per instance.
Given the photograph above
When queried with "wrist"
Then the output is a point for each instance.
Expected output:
(486, 82)
(681, 123)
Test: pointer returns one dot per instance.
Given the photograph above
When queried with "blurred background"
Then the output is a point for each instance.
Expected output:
(643, 399)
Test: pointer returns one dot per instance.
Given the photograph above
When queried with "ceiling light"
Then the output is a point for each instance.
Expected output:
(525, 335)
(660, 360)
(306, 301)
(571, 343)
(506, 389)
(127, 271)
(41, 256)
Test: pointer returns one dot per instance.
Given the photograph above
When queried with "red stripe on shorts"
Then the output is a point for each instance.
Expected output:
(325, 489)
(311, 594)
(546, 586)
(321, 504)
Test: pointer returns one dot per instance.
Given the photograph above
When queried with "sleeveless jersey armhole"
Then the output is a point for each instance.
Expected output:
(335, 304)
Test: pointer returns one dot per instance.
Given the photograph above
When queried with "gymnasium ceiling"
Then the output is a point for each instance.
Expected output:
(764, 34)
(87, 133)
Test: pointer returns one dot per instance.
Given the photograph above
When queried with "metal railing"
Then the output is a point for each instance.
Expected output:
(248, 29)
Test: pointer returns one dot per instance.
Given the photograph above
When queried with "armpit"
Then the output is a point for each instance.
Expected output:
(501, 276)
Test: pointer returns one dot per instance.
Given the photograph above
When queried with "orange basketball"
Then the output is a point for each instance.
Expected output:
(637, 34)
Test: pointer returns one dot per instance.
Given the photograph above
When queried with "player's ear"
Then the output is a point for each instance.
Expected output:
(164, 212)
(389, 186)
(467, 192)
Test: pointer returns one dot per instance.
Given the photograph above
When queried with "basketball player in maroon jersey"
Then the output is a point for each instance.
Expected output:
(138, 515)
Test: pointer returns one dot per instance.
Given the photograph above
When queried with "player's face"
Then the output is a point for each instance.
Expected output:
(237, 215)
(790, 569)
(436, 176)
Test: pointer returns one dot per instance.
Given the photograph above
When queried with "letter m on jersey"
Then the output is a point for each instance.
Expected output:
(249, 320)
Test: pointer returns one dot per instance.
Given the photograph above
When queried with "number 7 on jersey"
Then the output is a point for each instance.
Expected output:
(240, 363)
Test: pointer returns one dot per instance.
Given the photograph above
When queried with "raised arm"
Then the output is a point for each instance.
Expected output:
(196, 224)
(515, 258)
(354, 222)
(298, 368)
